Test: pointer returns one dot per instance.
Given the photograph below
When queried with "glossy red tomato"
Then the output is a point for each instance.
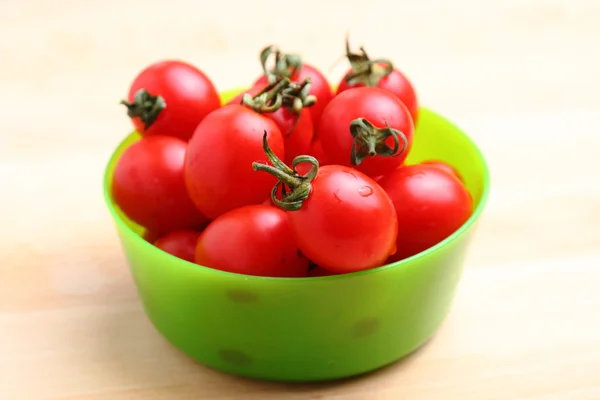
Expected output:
(252, 240)
(297, 131)
(171, 98)
(316, 150)
(368, 144)
(382, 74)
(295, 124)
(342, 219)
(445, 166)
(181, 243)
(218, 166)
(149, 186)
(430, 203)
(292, 67)
(396, 83)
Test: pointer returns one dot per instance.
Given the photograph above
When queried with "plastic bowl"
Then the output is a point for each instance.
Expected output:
(308, 329)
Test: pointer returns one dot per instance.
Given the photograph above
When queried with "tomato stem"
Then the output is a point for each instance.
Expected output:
(145, 106)
(285, 64)
(294, 187)
(364, 70)
(282, 93)
(269, 99)
(369, 141)
(296, 96)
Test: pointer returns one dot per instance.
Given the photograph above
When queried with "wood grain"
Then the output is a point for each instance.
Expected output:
(520, 76)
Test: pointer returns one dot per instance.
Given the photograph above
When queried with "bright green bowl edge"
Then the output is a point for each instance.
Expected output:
(225, 96)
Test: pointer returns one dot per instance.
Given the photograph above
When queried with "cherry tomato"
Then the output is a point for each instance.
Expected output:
(355, 130)
(285, 103)
(170, 98)
(445, 166)
(292, 67)
(252, 240)
(430, 203)
(297, 131)
(218, 165)
(342, 219)
(181, 243)
(149, 186)
(382, 74)
(316, 150)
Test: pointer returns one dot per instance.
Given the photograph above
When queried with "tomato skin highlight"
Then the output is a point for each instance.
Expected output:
(188, 92)
(149, 186)
(378, 107)
(218, 166)
(181, 243)
(347, 223)
(396, 83)
(253, 240)
(319, 87)
(430, 204)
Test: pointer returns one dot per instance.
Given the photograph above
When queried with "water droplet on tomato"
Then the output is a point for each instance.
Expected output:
(365, 191)
(351, 174)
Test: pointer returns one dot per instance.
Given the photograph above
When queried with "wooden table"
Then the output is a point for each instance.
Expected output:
(520, 77)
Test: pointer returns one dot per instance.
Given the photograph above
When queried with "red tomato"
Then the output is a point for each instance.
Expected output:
(371, 142)
(218, 166)
(291, 116)
(292, 67)
(342, 219)
(149, 186)
(297, 131)
(181, 243)
(445, 166)
(171, 98)
(252, 240)
(316, 150)
(430, 203)
(382, 74)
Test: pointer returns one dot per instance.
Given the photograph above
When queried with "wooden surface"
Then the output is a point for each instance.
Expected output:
(520, 76)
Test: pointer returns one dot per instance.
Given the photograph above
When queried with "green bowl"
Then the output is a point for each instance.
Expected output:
(308, 329)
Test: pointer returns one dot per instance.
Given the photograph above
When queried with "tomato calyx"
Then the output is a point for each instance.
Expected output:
(370, 141)
(293, 187)
(296, 96)
(364, 70)
(286, 65)
(145, 106)
(269, 99)
(281, 93)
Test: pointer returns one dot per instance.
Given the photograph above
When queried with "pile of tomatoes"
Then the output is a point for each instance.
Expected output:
(288, 179)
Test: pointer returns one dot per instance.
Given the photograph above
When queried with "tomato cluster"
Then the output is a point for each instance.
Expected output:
(289, 178)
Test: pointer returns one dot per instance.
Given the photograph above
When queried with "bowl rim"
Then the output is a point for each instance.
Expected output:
(404, 263)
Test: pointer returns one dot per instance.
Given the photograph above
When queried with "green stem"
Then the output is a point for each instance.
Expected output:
(285, 64)
(269, 99)
(370, 141)
(145, 106)
(295, 188)
(365, 70)
(296, 96)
